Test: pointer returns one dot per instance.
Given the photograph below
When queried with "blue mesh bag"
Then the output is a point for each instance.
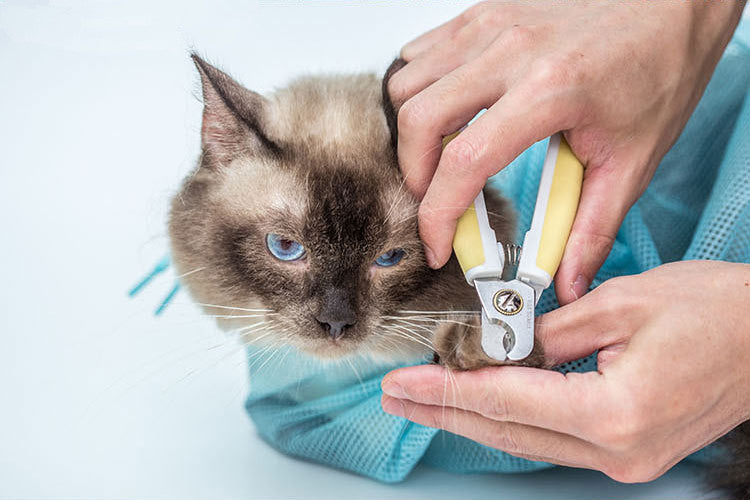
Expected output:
(696, 207)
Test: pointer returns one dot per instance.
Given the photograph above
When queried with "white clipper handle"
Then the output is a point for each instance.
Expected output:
(554, 212)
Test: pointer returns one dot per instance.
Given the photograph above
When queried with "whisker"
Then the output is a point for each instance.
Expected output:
(241, 316)
(191, 272)
(280, 362)
(232, 307)
(405, 333)
(253, 325)
(269, 358)
(356, 373)
(448, 312)
(256, 339)
(399, 196)
(426, 319)
(385, 338)
(256, 356)
(414, 325)
(204, 368)
(421, 327)
(249, 328)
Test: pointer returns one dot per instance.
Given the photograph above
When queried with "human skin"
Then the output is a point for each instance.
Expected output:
(672, 377)
(620, 79)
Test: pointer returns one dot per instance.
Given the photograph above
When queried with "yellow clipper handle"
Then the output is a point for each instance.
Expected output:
(554, 212)
(475, 243)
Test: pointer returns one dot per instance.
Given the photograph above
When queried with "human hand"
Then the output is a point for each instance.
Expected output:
(621, 80)
(673, 377)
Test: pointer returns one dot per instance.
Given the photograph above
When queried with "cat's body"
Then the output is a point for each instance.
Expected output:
(297, 220)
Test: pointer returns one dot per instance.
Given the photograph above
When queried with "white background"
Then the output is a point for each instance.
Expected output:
(98, 123)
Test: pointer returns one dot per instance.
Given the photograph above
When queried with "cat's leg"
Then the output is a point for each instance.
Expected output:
(458, 345)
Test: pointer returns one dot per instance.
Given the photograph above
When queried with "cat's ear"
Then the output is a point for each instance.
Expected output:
(391, 113)
(233, 117)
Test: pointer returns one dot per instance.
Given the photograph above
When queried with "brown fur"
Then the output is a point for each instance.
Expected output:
(315, 162)
(732, 475)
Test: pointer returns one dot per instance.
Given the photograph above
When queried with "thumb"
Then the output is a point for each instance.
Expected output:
(605, 199)
(578, 329)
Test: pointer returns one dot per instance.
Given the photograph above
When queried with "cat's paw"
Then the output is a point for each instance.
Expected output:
(458, 345)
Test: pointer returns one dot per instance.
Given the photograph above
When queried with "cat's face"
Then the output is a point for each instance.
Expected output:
(297, 226)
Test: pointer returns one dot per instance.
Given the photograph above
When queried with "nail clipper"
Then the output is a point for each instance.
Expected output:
(508, 306)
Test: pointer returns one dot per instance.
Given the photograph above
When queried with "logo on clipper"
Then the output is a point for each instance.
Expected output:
(507, 302)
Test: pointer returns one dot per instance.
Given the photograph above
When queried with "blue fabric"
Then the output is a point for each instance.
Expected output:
(697, 207)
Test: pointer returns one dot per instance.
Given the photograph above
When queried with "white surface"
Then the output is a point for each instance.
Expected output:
(97, 126)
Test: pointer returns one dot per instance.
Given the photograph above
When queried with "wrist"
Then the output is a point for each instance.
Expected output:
(712, 25)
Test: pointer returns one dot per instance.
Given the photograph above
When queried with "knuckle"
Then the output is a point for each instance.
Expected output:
(601, 433)
(506, 439)
(621, 435)
(562, 70)
(484, 20)
(497, 407)
(434, 419)
(413, 115)
(460, 154)
(631, 469)
(613, 297)
(427, 216)
(429, 395)
(475, 10)
(517, 37)
(600, 241)
(616, 286)
(622, 298)
(545, 71)
(621, 283)
(398, 89)
(624, 431)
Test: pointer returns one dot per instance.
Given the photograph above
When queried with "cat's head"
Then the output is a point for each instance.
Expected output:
(296, 227)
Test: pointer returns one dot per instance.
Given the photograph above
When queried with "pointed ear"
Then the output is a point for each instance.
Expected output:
(391, 113)
(233, 117)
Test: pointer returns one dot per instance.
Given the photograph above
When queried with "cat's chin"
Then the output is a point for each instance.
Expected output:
(330, 350)
(333, 351)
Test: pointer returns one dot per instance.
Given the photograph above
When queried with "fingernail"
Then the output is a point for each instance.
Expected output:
(579, 287)
(394, 390)
(393, 406)
(430, 256)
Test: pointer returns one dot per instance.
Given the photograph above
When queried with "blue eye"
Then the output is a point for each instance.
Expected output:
(390, 258)
(284, 248)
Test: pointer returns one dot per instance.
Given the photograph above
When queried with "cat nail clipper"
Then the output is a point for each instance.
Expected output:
(508, 306)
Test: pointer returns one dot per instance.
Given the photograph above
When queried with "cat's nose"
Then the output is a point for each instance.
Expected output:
(335, 329)
(336, 314)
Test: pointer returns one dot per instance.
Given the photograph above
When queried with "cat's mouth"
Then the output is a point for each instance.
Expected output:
(334, 338)
(329, 340)
(333, 348)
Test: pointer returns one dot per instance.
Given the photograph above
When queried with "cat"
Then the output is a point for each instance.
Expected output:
(298, 207)
(297, 213)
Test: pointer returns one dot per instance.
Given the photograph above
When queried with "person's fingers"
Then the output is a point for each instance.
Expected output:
(605, 200)
(519, 119)
(438, 111)
(573, 332)
(520, 440)
(463, 47)
(443, 32)
(541, 398)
